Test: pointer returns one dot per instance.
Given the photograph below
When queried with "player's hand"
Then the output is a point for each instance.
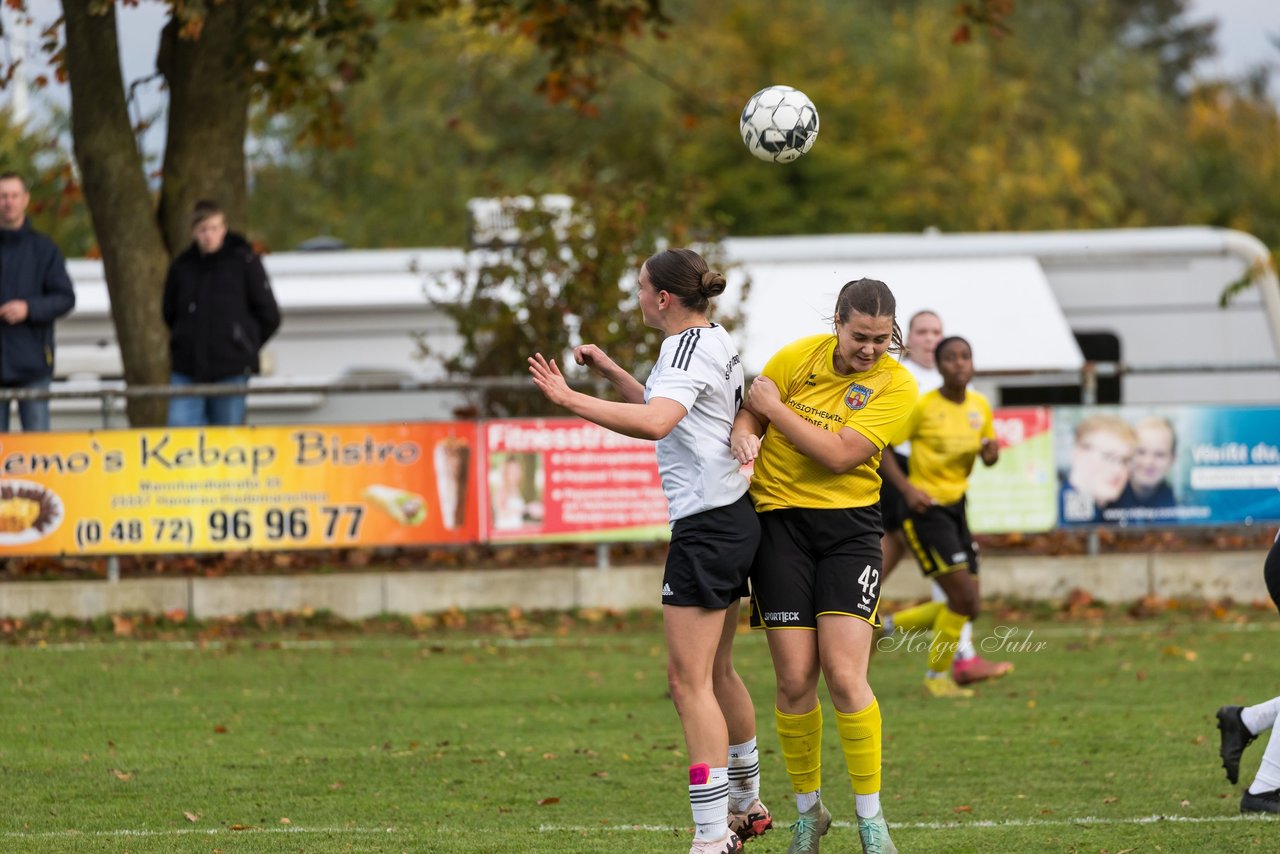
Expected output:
(593, 358)
(547, 377)
(917, 499)
(989, 451)
(763, 397)
(14, 311)
(745, 448)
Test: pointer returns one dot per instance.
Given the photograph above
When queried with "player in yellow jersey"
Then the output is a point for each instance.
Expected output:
(948, 429)
(815, 423)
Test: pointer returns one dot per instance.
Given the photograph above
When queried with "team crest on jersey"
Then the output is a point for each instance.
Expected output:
(975, 419)
(857, 396)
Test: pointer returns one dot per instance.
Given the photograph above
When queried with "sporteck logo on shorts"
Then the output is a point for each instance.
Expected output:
(782, 616)
(857, 396)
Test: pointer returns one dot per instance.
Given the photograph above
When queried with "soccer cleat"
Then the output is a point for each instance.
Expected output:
(874, 835)
(1235, 738)
(969, 670)
(808, 830)
(946, 689)
(729, 845)
(1262, 802)
(751, 822)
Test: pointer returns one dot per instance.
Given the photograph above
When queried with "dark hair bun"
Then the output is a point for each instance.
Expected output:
(712, 284)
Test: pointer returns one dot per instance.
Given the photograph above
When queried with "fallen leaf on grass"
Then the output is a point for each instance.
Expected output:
(240, 827)
(548, 802)
(190, 816)
(963, 808)
(1110, 800)
(220, 729)
(121, 775)
(285, 820)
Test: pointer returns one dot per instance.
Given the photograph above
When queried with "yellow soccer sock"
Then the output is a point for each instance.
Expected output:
(860, 738)
(946, 637)
(917, 617)
(801, 740)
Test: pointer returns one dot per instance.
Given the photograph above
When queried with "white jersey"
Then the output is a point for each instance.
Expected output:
(927, 379)
(700, 370)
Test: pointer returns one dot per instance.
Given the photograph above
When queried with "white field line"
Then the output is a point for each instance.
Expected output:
(1063, 631)
(1088, 821)
(187, 831)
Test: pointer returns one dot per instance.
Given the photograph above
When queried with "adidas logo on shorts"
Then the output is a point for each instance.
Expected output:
(666, 590)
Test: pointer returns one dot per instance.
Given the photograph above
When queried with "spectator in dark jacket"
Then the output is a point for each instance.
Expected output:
(35, 290)
(220, 310)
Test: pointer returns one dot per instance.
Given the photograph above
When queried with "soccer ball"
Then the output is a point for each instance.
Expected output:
(779, 124)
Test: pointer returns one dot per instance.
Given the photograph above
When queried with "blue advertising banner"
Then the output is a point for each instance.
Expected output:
(1167, 465)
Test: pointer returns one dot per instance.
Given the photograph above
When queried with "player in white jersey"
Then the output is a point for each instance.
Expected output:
(1240, 725)
(688, 406)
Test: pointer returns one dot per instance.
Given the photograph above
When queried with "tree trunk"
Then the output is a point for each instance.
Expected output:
(209, 92)
(115, 187)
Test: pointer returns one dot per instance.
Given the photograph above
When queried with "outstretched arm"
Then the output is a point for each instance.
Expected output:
(599, 363)
(652, 420)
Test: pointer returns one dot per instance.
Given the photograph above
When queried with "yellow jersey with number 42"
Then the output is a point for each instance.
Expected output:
(875, 403)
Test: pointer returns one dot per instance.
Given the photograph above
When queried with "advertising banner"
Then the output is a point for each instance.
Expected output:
(1020, 492)
(1167, 465)
(236, 488)
(565, 479)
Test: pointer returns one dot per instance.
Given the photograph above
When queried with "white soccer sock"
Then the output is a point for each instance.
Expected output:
(1262, 716)
(938, 594)
(964, 648)
(744, 775)
(1268, 778)
(709, 798)
(806, 800)
(867, 805)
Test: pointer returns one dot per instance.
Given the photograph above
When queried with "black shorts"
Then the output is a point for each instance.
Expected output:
(813, 562)
(940, 539)
(893, 505)
(709, 560)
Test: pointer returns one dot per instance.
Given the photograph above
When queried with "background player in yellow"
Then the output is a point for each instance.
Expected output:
(948, 429)
(826, 406)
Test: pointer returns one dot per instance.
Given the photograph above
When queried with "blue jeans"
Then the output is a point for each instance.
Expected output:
(223, 410)
(34, 414)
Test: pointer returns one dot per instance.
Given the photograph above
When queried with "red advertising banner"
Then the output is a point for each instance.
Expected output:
(548, 479)
(237, 488)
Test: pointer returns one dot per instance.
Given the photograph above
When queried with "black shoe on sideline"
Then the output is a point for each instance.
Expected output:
(1265, 802)
(1235, 738)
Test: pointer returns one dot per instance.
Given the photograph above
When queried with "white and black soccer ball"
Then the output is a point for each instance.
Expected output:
(779, 123)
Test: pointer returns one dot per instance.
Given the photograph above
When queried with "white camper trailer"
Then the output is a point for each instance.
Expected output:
(1025, 300)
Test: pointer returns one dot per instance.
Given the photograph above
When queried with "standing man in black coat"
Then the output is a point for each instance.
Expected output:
(35, 290)
(220, 310)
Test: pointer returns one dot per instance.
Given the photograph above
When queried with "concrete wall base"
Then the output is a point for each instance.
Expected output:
(1109, 578)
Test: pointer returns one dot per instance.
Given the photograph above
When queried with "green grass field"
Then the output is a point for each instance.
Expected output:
(454, 740)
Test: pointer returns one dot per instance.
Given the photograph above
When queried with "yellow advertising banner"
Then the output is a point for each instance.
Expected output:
(237, 488)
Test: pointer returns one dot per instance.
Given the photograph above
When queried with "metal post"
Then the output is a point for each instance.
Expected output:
(106, 410)
(113, 569)
(1089, 384)
(602, 556)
